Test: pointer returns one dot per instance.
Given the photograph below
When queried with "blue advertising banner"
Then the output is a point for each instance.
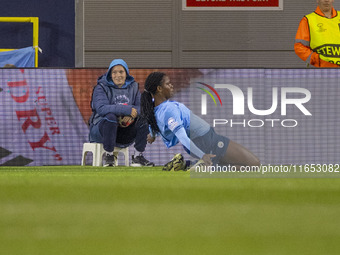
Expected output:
(40, 122)
(284, 116)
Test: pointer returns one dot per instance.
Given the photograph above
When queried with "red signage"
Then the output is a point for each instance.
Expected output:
(232, 4)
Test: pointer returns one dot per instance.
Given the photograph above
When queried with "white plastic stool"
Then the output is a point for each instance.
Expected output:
(98, 151)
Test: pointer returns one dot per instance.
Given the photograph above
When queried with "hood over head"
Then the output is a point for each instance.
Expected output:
(129, 78)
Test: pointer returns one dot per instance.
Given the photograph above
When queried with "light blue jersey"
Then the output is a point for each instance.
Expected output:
(178, 124)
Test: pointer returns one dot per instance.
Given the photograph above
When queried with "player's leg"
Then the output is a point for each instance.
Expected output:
(137, 132)
(141, 136)
(105, 132)
(238, 155)
(108, 130)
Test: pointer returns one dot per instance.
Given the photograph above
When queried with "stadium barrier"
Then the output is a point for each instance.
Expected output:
(284, 116)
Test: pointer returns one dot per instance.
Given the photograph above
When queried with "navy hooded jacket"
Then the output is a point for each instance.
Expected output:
(107, 97)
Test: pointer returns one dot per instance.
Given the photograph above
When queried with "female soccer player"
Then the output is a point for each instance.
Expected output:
(176, 123)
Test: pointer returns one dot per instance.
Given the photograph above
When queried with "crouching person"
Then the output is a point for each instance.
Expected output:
(115, 120)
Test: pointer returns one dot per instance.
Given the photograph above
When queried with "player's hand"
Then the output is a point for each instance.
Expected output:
(127, 119)
(150, 139)
(134, 113)
(207, 159)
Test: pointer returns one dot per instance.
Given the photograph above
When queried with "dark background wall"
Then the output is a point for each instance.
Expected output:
(56, 29)
(90, 33)
(154, 33)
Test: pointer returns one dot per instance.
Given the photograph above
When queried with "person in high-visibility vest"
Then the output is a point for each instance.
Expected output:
(317, 41)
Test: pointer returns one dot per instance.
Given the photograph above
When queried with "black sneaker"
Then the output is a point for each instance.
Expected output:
(140, 161)
(110, 160)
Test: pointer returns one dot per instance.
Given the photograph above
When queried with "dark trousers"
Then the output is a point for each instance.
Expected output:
(115, 136)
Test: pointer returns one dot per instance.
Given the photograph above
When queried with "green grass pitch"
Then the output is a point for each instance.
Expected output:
(92, 210)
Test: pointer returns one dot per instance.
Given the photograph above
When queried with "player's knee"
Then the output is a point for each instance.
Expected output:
(111, 117)
(251, 159)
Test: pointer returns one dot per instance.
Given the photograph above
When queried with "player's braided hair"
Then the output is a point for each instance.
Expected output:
(147, 105)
